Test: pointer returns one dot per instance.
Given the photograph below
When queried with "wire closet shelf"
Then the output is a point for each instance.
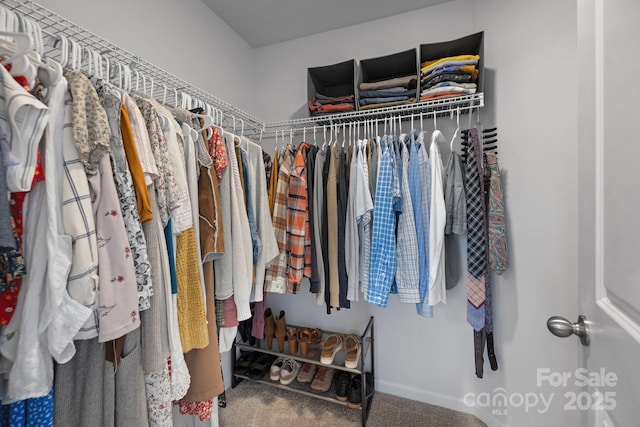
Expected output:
(166, 87)
(441, 107)
(54, 25)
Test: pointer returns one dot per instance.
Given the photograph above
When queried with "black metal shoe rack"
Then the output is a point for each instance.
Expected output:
(366, 364)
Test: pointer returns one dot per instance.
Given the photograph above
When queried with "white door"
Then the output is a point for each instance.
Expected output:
(609, 219)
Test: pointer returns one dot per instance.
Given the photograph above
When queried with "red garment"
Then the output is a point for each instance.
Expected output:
(218, 153)
(8, 301)
(331, 108)
(201, 409)
(17, 199)
(9, 296)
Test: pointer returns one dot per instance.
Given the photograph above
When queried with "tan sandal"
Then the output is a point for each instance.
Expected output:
(353, 347)
(330, 347)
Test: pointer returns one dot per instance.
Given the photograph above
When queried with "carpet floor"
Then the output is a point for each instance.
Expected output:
(259, 405)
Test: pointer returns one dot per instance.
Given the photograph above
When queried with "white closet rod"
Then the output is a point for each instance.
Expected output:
(53, 25)
(440, 107)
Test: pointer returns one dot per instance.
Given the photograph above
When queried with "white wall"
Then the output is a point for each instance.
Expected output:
(185, 38)
(432, 359)
(282, 68)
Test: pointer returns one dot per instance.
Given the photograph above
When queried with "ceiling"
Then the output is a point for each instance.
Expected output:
(266, 22)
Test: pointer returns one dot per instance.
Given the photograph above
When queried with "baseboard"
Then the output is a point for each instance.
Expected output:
(440, 400)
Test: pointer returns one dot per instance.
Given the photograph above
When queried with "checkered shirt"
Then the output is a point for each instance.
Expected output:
(276, 277)
(383, 245)
(298, 229)
(407, 269)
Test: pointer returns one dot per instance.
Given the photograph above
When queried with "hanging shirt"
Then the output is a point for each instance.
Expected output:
(359, 214)
(298, 230)
(352, 236)
(383, 245)
(343, 190)
(140, 137)
(456, 206)
(23, 119)
(367, 217)
(424, 188)
(276, 276)
(181, 215)
(259, 199)
(365, 220)
(165, 182)
(407, 269)
(110, 100)
(318, 224)
(325, 229)
(256, 242)
(235, 266)
(118, 292)
(454, 196)
(437, 282)
(79, 224)
(332, 227)
(310, 166)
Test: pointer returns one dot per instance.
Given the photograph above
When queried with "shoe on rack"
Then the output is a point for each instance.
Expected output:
(307, 372)
(244, 361)
(353, 347)
(274, 371)
(342, 386)
(269, 327)
(330, 347)
(260, 366)
(354, 395)
(307, 337)
(292, 339)
(281, 331)
(323, 378)
(289, 371)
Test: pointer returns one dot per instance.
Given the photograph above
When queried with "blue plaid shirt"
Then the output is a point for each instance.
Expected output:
(420, 190)
(383, 242)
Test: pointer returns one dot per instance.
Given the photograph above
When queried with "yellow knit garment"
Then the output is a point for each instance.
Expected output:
(192, 319)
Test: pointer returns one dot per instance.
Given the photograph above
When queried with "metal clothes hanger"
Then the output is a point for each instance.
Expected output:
(164, 94)
(324, 143)
(455, 134)
(276, 147)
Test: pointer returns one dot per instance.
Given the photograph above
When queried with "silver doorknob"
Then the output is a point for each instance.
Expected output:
(561, 327)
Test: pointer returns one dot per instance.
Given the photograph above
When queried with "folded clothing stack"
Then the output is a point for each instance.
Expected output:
(335, 99)
(386, 93)
(449, 77)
